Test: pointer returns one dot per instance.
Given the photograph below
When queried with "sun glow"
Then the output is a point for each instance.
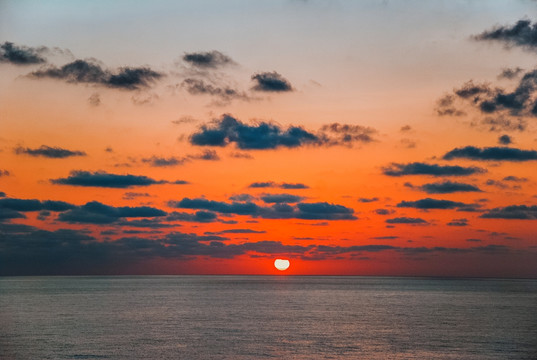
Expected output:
(281, 264)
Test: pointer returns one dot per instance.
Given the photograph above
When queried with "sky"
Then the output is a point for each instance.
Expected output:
(212, 137)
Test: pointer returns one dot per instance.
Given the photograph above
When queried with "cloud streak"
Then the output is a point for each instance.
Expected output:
(491, 154)
(90, 72)
(418, 168)
(104, 179)
(49, 152)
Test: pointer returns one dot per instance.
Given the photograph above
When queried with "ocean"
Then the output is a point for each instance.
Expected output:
(266, 317)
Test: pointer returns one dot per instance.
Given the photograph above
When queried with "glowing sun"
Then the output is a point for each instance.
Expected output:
(281, 264)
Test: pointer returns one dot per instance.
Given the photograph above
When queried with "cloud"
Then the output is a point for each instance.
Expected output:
(198, 216)
(406, 220)
(503, 110)
(265, 184)
(383, 211)
(510, 73)
(157, 161)
(281, 198)
(429, 203)
(306, 211)
(238, 208)
(210, 59)
(272, 184)
(271, 82)
(521, 212)
(8, 214)
(236, 231)
(522, 34)
(260, 136)
(515, 178)
(293, 186)
(505, 140)
(368, 200)
(34, 205)
(448, 187)
(88, 71)
(2, 194)
(458, 222)
(49, 152)
(4, 172)
(265, 135)
(417, 168)
(95, 212)
(344, 134)
(201, 87)
(21, 55)
(104, 179)
(491, 153)
(385, 237)
(209, 155)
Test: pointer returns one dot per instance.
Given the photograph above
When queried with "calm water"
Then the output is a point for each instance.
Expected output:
(257, 317)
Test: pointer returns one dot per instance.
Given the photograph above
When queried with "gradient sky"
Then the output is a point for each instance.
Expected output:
(212, 137)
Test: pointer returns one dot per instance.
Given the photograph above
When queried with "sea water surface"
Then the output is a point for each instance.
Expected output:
(264, 317)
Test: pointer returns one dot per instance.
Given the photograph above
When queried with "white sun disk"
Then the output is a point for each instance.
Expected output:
(281, 264)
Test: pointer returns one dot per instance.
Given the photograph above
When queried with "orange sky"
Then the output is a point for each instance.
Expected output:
(386, 137)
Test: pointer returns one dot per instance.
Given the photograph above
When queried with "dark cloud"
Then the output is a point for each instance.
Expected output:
(27, 250)
(272, 184)
(406, 220)
(417, 168)
(2, 194)
(265, 184)
(491, 153)
(515, 178)
(235, 231)
(240, 155)
(448, 187)
(498, 184)
(385, 237)
(405, 128)
(21, 55)
(265, 135)
(34, 205)
(4, 172)
(429, 203)
(504, 110)
(198, 216)
(95, 212)
(8, 214)
(49, 152)
(224, 93)
(104, 179)
(368, 200)
(291, 186)
(238, 208)
(210, 155)
(133, 195)
(522, 212)
(458, 222)
(522, 34)
(510, 73)
(157, 161)
(271, 82)
(259, 136)
(281, 198)
(324, 211)
(344, 134)
(307, 211)
(445, 106)
(210, 59)
(88, 71)
(505, 140)
(383, 212)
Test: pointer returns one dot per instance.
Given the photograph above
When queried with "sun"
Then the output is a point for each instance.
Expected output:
(281, 264)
